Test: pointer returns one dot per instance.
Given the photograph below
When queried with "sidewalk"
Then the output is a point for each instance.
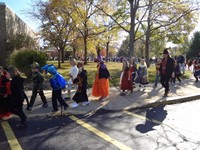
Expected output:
(152, 96)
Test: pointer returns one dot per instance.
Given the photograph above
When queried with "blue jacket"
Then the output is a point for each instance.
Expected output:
(58, 82)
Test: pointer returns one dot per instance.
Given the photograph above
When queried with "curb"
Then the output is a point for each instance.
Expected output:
(169, 102)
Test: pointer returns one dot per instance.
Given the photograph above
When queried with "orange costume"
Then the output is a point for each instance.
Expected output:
(101, 82)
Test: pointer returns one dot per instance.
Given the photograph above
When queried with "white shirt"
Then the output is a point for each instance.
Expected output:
(73, 72)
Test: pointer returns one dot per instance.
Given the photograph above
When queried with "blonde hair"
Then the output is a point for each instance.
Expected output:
(74, 61)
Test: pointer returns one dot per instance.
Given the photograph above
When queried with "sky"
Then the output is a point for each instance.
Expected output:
(19, 5)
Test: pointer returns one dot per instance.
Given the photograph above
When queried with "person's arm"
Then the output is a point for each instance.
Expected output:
(40, 80)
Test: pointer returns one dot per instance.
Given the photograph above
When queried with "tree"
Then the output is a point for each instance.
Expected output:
(135, 16)
(194, 48)
(56, 26)
(22, 41)
(175, 27)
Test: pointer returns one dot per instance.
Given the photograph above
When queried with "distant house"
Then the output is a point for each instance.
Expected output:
(10, 24)
(52, 54)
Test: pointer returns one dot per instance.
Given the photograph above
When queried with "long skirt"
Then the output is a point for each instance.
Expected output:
(126, 83)
(4, 107)
(100, 87)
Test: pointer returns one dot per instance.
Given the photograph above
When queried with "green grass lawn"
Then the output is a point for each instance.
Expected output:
(114, 68)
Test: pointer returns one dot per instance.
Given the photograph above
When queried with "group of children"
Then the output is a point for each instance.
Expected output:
(12, 92)
(131, 76)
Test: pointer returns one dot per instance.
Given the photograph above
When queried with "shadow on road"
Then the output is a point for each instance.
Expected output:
(152, 114)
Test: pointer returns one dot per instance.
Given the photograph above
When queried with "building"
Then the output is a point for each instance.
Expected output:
(10, 24)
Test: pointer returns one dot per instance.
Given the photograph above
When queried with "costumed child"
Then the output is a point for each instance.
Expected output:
(72, 74)
(80, 96)
(58, 83)
(17, 95)
(177, 73)
(101, 83)
(125, 79)
(4, 94)
(133, 69)
(158, 62)
(142, 75)
(196, 69)
(38, 80)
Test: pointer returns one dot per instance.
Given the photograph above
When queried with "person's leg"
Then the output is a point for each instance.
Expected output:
(18, 110)
(195, 75)
(33, 97)
(162, 80)
(174, 80)
(43, 98)
(54, 100)
(178, 78)
(157, 78)
(27, 101)
(60, 99)
(167, 85)
(69, 92)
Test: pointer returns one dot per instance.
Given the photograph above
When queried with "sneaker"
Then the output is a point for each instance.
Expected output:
(65, 107)
(22, 126)
(85, 103)
(67, 98)
(73, 105)
(166, 94)
(29, 108)
(45, 105)
(54, 111)
(122, 94)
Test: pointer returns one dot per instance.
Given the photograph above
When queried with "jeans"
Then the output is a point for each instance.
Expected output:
(34, 95)
(157, 79)
(164, 80)
(56, 95)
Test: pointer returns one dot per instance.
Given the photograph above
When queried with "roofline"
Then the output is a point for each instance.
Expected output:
(2, 3)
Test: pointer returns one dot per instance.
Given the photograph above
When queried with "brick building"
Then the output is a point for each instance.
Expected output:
(10, 24)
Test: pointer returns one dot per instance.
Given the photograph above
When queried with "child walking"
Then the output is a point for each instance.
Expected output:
(4, 94)
(100, 86)
(17, 95)
(133, 69)
(80, 96)
(177, 73)
(38, 80)
(72, 74)
(142, 75)
(159, 61)
(58, 84)
(125, 79)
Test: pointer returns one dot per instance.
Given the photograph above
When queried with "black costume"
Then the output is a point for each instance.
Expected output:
(17, 97)
(81, 93)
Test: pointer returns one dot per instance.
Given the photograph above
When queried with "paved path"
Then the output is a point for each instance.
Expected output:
(188, 90)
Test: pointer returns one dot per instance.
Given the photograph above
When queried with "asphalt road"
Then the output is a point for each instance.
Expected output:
(172, 127)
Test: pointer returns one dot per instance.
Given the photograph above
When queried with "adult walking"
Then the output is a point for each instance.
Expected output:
(166, 71)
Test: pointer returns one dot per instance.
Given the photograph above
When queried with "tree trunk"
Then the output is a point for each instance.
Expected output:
(148, 32)
(107, 50)
(85, 49)
(59, 56)
(74, 51)
(63, 55)
(132, 29)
